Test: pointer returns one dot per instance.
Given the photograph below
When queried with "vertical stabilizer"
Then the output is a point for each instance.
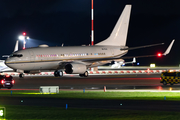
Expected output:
(119, 33)
(16, 46)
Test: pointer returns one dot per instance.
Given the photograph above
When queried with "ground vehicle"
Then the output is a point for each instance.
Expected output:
(6, 81)
(170, 77)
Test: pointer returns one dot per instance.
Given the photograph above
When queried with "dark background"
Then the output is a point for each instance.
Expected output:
(54, 22)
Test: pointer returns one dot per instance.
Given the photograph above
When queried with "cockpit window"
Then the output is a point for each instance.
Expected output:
(16, 55)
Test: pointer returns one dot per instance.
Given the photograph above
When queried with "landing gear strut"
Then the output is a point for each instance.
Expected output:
(58, 73)
(84, 75)
(21, 75)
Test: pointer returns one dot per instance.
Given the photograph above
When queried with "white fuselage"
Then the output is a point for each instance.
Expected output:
(49, 58)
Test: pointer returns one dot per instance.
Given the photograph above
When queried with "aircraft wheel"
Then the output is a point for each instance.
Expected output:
(164, 83)
(86, 74)
(21, 75)
(60, 73)
(56, 73)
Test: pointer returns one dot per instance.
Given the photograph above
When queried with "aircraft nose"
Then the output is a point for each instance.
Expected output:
(7, 61)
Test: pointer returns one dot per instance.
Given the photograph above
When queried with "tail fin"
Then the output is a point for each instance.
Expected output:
(134, 60)
(119, 33)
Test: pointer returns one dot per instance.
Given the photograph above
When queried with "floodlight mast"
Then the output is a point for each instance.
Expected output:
(24, 38)
(92, 25)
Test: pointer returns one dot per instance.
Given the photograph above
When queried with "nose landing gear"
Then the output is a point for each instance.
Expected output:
(21, 75)
(84, 75)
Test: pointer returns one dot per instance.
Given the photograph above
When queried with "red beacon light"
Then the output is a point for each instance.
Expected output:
(159, 54)
(24, 33)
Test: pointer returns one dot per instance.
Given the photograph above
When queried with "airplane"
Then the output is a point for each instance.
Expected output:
(76, 59)
(121, 62)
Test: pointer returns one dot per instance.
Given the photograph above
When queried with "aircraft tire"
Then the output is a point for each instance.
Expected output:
(60, 73)
(85, 74)
(56, 74)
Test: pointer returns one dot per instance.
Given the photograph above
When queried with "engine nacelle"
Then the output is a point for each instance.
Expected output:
(75, 68)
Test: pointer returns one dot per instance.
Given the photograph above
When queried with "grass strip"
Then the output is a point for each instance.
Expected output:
(98, 95)
(52, 113)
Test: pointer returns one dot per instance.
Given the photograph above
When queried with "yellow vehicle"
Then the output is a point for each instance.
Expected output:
(170, 77)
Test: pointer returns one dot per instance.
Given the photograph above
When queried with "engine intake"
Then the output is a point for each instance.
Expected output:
(75, 68)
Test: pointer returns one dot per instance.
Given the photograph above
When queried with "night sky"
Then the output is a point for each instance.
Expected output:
(54, 22)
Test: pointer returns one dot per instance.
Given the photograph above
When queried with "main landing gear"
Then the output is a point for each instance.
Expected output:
(58, 73)
(84, 75)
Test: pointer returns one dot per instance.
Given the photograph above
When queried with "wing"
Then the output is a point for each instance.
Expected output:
(102, 61)
(108, 60)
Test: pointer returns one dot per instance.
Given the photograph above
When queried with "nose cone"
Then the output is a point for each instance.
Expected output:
(6, 61)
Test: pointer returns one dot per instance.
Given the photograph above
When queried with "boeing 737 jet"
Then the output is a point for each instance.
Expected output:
(75, 59)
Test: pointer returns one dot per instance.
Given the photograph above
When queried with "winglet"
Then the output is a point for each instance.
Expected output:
(16, 46)
(169, 48)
